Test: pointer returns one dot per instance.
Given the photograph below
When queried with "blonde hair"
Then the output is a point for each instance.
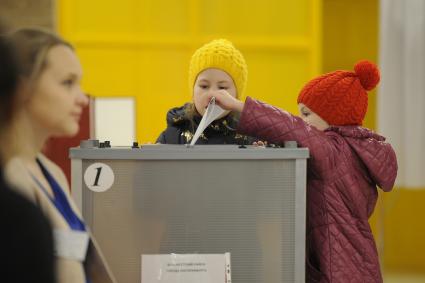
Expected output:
(32, 46)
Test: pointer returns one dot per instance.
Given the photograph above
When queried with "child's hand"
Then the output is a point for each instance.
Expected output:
(226, 101)
(260, 143)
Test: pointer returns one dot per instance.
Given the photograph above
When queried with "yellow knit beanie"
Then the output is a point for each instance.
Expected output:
(220, 54)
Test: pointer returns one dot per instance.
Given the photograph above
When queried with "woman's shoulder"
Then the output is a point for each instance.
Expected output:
(17, 175)
(60, 178)
(18, 178)
(49, 164)
(54, 170)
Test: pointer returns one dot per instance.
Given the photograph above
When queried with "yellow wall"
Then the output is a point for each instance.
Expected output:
(350, 33)
(404, 230)
(142, 48)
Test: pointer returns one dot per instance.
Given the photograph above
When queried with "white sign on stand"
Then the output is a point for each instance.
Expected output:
(186, 268)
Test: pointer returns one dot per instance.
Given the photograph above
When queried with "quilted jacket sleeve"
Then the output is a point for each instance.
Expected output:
(275, 125)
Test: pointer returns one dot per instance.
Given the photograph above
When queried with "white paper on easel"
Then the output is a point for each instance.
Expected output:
(186, 268)
(213, 112)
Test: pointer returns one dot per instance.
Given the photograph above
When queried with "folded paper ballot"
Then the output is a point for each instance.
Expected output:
(213, 112)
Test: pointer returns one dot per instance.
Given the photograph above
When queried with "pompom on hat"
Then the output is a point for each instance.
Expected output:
(340, 98)
(220, 54)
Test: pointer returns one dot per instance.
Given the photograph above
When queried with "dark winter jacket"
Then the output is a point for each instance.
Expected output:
(347, 164)
(181, 128)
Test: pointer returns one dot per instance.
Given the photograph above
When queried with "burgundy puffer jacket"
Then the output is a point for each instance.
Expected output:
(345, 166)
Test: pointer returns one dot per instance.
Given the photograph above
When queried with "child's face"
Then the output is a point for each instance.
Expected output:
(210, 81)
(312, 118)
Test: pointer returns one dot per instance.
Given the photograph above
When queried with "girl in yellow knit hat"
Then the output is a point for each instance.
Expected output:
(216, 66)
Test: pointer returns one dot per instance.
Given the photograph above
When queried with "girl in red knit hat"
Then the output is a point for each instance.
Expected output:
(347, 163)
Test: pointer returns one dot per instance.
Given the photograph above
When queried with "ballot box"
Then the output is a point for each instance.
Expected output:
(247, 201)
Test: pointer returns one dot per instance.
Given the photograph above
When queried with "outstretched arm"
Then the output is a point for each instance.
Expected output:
(277, 126)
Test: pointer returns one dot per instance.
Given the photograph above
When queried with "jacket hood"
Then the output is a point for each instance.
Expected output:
(176, 115)
(377, 155)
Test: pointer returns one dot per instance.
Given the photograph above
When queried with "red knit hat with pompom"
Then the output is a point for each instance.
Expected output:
(340, 97)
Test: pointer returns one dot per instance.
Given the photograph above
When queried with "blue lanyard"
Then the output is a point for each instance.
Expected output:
(60, 200)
